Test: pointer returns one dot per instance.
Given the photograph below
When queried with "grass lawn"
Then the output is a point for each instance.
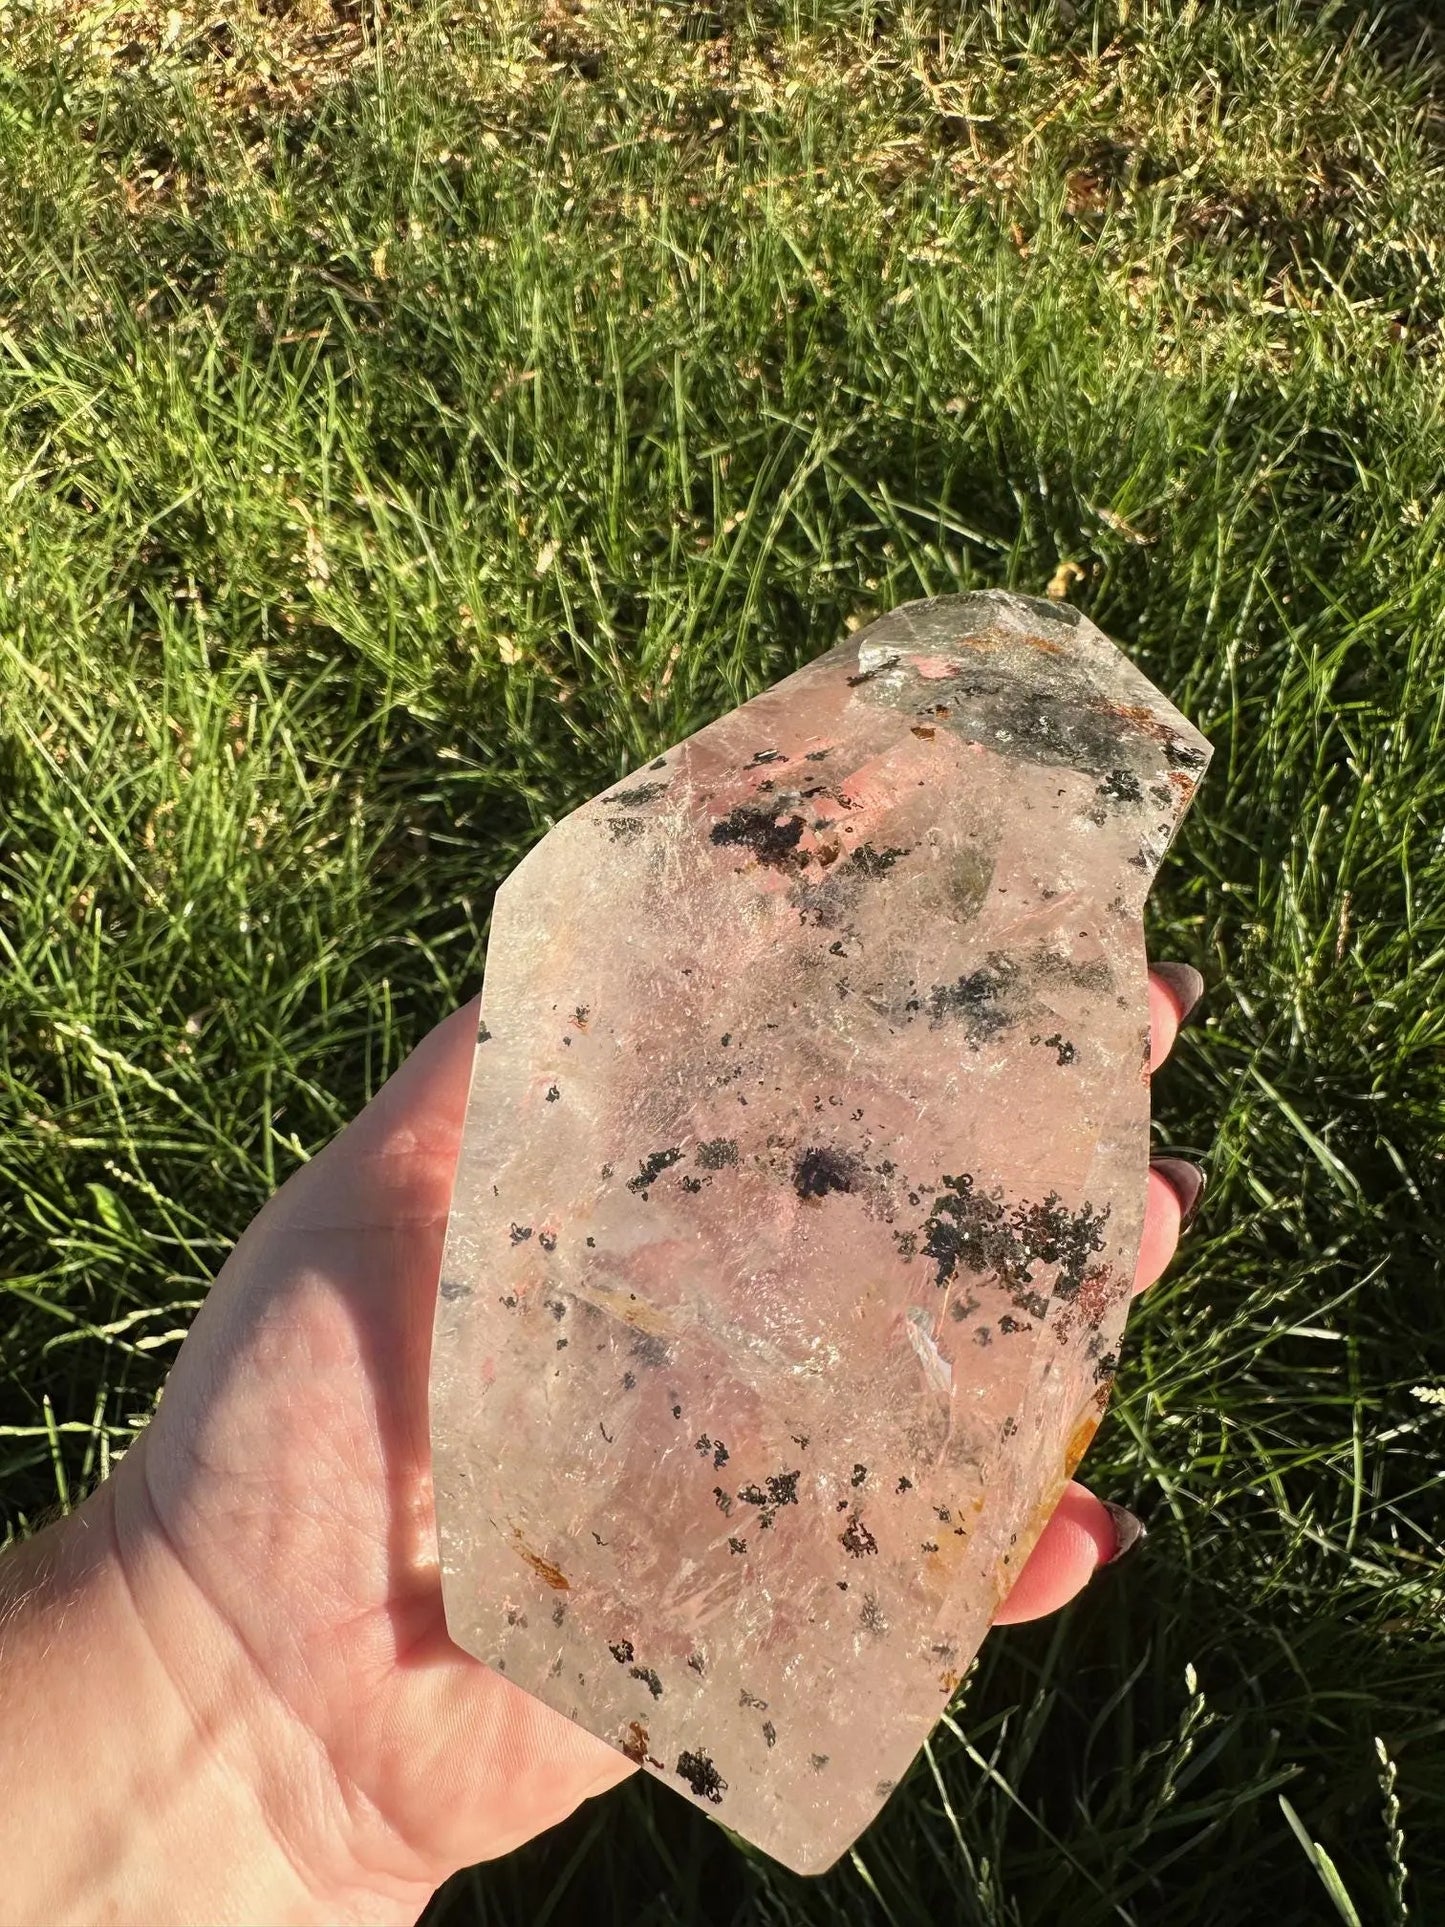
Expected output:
(411, 421)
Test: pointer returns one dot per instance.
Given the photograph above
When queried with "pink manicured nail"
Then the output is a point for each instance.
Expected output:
(1185, 985)
(1186, 1180)
(1129, 1529)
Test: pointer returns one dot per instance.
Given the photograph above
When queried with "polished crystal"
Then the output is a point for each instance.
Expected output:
(798, 1204)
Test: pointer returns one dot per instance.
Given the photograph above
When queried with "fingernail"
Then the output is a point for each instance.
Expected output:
(1129, 1529)
(1186, 987)
(1185, 1179)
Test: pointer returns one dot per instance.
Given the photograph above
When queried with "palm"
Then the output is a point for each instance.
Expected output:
(289, 1469)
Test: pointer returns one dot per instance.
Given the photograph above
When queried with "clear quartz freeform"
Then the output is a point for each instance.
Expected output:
(798, 1204)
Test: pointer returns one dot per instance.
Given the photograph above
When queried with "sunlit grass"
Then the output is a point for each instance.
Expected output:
(407, 429)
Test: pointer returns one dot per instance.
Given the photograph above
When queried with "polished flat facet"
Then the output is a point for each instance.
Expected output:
(798, 1204)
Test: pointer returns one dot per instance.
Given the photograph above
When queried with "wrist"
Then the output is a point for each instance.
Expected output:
(149, 1775)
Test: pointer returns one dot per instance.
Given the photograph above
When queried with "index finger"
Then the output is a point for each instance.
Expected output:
(1174, 990)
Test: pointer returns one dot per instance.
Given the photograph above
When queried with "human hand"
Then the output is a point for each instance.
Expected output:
(1083, 1532)
(272, 1532)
